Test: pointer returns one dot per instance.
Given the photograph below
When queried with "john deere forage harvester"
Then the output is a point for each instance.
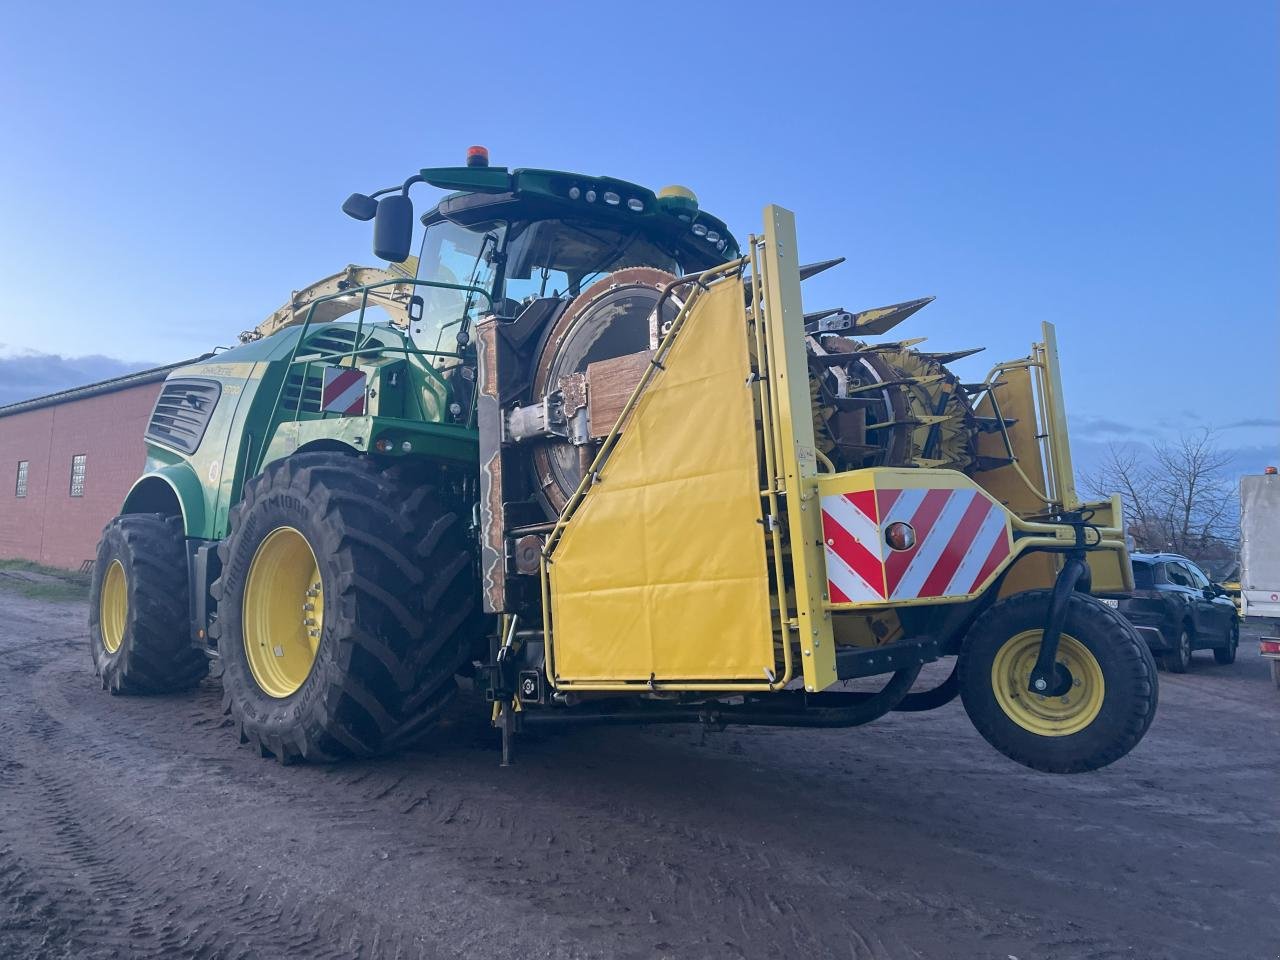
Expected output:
(602, 463)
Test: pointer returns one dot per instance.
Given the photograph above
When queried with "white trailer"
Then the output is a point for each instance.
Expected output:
(1260, 557)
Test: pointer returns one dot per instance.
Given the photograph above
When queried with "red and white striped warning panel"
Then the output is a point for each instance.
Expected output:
(961, 538)
(343, 391)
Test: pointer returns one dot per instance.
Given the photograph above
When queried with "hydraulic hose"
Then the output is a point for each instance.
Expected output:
(939, 696)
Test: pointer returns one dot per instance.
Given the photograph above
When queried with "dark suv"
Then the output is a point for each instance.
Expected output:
(1177, 609)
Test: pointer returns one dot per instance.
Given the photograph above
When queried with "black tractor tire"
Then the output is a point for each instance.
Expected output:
(400, 608)
(1178, 660)
(1227, 655)
(142, 561)
(1123, 704)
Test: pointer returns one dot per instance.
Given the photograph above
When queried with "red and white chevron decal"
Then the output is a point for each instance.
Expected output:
(961, 537)
(343, 391)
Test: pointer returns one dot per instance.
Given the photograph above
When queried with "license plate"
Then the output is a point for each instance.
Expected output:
(1109, 602)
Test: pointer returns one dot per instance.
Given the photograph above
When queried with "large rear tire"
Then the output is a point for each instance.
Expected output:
(346, 603)
(1100, 717)
(139, 622)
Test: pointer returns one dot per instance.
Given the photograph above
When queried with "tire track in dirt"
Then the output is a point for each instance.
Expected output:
(147, 831)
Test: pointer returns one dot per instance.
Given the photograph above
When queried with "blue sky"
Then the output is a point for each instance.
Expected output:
(174, 171)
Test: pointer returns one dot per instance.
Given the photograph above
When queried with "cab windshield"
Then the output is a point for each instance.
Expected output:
(541, 258)
(558, 258)
(459, 255)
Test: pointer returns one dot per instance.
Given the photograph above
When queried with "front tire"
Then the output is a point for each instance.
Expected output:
(1100, 717)
(139, 622)
(345, 603)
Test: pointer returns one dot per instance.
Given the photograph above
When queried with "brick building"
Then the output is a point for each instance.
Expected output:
(66, 462)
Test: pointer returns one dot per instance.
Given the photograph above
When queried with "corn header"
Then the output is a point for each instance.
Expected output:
(601, 464)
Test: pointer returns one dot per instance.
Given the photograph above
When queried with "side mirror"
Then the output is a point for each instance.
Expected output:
(1210, 592)
(359, 207)
(393, 228)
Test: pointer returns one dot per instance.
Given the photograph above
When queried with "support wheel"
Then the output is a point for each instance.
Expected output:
(1227, 655)
(1098, 718)
(347, 601)
(1178, 660)
(139, 622)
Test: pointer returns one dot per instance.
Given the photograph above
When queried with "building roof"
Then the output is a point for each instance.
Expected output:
(135, 379)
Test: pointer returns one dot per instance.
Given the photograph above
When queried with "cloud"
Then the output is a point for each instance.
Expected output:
(1092, 425)
(27, 374)
(1255, 422)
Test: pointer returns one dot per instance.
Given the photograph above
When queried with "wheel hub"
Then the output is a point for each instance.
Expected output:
(113, 607)
(283, 612)
(1068, 705)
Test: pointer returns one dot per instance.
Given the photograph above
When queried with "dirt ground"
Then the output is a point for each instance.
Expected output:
(139, 828)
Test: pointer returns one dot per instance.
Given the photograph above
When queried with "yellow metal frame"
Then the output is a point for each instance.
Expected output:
(792, 486)
(1027, 535)
(796, 455)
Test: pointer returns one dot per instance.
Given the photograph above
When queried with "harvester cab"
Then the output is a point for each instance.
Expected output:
(604, 463)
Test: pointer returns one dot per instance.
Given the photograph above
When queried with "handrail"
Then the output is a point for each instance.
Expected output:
(407, 347)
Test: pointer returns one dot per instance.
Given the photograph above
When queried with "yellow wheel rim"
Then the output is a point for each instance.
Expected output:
(1058, 716)
(113, 607)
(283, 612)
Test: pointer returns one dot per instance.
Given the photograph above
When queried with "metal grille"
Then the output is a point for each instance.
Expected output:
(182, 413)
(77, 475)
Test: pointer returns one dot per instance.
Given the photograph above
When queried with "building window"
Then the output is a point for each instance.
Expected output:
(77, 475)
(20, 488)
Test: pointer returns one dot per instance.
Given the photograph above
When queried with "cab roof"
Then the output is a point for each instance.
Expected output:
(490, 193)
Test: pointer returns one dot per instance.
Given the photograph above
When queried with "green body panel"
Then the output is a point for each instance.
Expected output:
(253, 424)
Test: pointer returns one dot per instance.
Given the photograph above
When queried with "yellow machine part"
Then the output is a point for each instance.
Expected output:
(1017, 403)
(662, 573)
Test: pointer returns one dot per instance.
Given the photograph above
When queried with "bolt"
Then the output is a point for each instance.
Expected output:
(1041, 685)
(807, 652)
(309, 621)
(308, 607)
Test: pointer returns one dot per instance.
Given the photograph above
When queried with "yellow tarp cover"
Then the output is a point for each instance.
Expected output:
(662, 570)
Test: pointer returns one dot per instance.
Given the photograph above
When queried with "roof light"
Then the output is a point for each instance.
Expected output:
(384, 445)
(712, 236)
(678, 199)
(477, 156)
(574, 193)
(591, 196)
(612, 199)
(636, 204)
(699, 229)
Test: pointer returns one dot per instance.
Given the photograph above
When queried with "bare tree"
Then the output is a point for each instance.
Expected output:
(1176, 494)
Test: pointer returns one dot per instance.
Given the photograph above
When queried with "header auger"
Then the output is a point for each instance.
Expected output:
(603, 464)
